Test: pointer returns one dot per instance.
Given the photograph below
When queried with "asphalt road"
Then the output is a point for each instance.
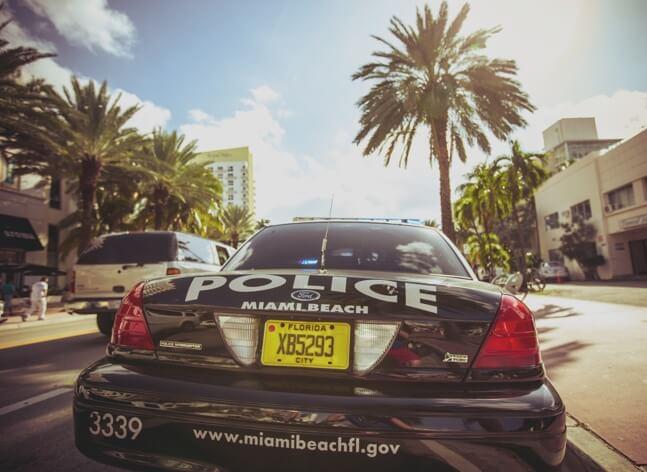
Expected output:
(38, 435)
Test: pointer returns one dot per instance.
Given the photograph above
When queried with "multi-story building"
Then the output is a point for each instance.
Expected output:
(234, 167)
(608, 189)
(572, 138)
(29, 216)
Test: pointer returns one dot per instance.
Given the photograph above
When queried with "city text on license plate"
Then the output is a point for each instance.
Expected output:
(321, 345)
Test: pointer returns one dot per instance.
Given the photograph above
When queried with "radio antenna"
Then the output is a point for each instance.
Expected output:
(324, 241)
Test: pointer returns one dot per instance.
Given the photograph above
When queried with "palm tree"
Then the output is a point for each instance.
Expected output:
(237, 222)
(174, 185)
(262, 223)
(522, 173)
(440, 81)
(486, 250)
(86, 138)
(20, 102)
(482, 203)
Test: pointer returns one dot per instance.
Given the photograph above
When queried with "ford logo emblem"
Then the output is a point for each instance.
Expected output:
(305, 295)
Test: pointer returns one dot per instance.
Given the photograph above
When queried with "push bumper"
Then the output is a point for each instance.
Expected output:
(92, 306)
(221, 422)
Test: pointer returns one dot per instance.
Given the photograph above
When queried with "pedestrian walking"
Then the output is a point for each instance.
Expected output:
(8, 291)
(38, 300)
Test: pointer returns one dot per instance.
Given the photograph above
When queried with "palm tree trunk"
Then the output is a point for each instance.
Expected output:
(161, 198)
(90, 170)
(439, 131)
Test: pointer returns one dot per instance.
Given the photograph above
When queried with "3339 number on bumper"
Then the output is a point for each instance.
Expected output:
(108, 425)
(308, 344)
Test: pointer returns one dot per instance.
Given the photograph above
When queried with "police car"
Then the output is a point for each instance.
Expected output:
(324, 345)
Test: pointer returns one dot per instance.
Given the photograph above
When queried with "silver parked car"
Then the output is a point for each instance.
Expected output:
(115, 262)
(554, 271)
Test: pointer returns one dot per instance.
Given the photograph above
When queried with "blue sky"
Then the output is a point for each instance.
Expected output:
(276, 76)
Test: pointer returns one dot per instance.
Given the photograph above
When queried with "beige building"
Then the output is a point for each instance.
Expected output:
(235, 169)
(608, 189)
(570, 139)
(29, 231)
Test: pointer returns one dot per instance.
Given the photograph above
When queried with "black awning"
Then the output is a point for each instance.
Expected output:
(18, 233)
(30, 269)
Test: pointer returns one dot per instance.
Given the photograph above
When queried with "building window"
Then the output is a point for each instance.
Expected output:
(620, 198)
(6, 172)
(55, 194)
(552, 221)
(581, 211)
(230, 169)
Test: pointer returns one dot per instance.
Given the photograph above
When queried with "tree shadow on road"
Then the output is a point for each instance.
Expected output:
(563, 354)
(555, 311)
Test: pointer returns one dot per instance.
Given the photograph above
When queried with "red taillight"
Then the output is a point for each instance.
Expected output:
(512, 341)
(130, 328)
(173, 271)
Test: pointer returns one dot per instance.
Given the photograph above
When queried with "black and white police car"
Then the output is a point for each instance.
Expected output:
(324, 345)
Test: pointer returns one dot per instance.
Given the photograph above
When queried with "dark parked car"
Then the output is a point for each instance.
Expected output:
(324, 345)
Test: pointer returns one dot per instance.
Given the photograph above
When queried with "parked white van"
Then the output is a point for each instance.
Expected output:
(115, 262)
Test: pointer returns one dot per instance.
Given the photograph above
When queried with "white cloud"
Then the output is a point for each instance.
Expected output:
(89, 23)
(148, 117)
(199, 115)
(620, 115)
(264, 94)
(291, 185)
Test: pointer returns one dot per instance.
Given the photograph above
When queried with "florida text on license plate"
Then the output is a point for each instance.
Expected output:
(322, 345)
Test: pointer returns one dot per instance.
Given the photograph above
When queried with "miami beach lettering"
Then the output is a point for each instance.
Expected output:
(307, 307)
(418, 296)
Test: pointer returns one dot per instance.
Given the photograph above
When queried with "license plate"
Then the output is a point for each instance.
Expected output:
(306, 344)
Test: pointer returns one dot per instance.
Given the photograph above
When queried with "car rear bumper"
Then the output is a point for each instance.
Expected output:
(92, 306)
(215, 421)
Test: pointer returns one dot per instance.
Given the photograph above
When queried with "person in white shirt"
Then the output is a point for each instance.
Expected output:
(38, 299)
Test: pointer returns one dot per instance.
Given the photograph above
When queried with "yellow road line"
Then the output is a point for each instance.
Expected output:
(49, 337)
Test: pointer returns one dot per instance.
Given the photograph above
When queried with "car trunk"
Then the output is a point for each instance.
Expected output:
(389, 326)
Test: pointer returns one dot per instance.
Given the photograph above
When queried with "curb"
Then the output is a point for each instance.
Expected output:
(594, 450)
(54, 320)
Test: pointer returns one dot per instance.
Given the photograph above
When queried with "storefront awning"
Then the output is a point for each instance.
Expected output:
(18, 233)
(30, 269)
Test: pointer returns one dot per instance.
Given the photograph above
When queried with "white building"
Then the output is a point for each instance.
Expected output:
(608, 189)
(29, 230)
(572, 138)
(235, 170)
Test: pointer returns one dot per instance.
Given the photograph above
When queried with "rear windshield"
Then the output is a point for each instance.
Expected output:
(351, 246)
(131, 248)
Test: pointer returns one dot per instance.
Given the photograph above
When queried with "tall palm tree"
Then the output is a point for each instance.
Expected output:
(237, 222)
(174, 184)
(441, 81)
(86, 138)
(522, 173)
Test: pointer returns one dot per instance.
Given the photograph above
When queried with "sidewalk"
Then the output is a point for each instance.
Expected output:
(55, 315)
(625, 292)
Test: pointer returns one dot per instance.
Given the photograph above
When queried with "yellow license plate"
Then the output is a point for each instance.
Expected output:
(307, 344)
